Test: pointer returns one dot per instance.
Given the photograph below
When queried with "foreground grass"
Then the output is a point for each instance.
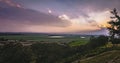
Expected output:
(107, 57)
(101, 55)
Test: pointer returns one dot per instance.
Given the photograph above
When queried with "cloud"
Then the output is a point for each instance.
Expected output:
(18, 15)
(93, 22)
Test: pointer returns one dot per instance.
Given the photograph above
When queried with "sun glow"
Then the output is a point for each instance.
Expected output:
(101, 18)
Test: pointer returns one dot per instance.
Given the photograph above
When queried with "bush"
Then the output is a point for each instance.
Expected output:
(3, 39)
(116, 41)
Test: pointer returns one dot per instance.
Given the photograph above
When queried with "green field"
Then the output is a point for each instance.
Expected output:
(81, 41)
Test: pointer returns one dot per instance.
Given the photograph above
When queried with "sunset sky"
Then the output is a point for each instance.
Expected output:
(56, 16)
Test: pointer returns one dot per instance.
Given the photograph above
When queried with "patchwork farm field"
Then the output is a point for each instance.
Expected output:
(71, 40)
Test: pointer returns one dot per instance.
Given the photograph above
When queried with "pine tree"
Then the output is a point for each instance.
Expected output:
(114, 28)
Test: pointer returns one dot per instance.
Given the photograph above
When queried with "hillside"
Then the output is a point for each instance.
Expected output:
(106, 57)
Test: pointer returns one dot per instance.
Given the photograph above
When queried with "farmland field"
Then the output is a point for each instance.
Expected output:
(72, 40)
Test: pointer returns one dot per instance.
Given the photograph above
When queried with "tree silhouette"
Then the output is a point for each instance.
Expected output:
(114, 28)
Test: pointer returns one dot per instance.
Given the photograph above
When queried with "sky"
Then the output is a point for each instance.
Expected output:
(56, 16)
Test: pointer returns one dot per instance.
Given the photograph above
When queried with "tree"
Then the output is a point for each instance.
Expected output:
(114, 27)
(98, 41)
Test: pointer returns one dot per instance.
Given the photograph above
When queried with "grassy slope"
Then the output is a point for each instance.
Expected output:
(79, 42)
(106, 57)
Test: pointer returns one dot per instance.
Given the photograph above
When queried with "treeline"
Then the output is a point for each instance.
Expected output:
(9, 33)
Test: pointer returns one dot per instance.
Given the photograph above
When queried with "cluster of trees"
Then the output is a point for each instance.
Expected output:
(52, 52)
(98, 41)
(36, 53)
(15, 53)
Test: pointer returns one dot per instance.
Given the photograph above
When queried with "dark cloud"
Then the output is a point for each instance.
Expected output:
(18, 15)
